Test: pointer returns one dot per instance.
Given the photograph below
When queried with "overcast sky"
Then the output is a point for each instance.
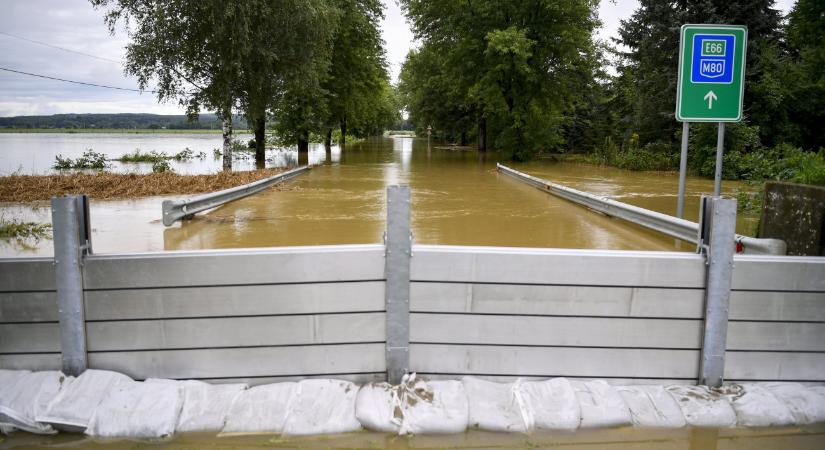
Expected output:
(74, 25)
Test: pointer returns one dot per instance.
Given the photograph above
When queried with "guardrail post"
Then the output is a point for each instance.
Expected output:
(397, 291)
(72, 241)
(717, 238)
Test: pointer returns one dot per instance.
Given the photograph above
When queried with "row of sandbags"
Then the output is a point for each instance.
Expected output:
(109, 404)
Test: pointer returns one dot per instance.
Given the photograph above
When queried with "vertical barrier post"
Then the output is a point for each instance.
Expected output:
(72, 242)
(397, 291)
(717, 232)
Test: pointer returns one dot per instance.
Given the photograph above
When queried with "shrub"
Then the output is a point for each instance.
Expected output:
(161, 166)
(89, 160)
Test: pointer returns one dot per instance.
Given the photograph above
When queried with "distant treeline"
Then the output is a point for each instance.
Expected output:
(120, 121)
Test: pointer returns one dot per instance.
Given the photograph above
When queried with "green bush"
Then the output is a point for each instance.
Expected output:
(184, 155)
(89, 160)
(161, 166)
(138, 156)
(653, 156)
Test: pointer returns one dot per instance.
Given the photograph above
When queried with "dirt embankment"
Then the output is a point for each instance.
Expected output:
(30, 188)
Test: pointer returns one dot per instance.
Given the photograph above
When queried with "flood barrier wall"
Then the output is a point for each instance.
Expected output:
(263, 315)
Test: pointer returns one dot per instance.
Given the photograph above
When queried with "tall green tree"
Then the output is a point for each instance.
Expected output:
(356, 83)
(191, 50)
(220, 55)
(290, 47)
(806, 41)
(651, 36)
(517, 65)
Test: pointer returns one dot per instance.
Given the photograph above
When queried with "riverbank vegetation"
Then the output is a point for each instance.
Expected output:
(22, 231)
(528, 78)
(102, 186)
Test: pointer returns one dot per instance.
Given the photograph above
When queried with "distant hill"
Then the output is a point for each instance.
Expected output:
(127, 121)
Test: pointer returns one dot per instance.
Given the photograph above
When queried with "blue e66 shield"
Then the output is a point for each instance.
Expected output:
(712, 59)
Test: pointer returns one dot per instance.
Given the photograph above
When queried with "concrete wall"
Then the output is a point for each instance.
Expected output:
(795, 213)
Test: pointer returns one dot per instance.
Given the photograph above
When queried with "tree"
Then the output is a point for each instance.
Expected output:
(289, 47)
(357, 79)
(191, 49)
(516, 66)
(220, 55)
(650, 66)
(806, 102)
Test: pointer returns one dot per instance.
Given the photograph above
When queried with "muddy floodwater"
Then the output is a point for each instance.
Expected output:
(812, 438)
(458, 199)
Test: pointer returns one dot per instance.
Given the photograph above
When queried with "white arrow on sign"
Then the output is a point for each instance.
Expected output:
(710, 97)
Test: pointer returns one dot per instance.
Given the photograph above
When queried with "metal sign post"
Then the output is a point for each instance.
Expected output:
(711, 85)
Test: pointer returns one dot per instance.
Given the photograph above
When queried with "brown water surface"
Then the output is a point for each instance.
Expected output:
(458, 199)
(792, 438)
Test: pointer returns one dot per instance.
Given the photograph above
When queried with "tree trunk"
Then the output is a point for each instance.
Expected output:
(463, 138)
(482, 135)
(303, 142)
(343, 132)
(260, 143)
(328, 140)
(303, 148)
(227, 140)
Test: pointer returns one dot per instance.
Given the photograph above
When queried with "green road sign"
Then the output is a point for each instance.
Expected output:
(711, 73)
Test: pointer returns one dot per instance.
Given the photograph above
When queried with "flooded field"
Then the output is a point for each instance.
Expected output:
(458, 199)
(614, 439)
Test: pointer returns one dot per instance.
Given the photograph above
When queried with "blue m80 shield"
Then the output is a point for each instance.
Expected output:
(712, 59)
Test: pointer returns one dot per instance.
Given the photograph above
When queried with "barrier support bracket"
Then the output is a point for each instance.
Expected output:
(398, 252)
(72, 242)
(716, 237)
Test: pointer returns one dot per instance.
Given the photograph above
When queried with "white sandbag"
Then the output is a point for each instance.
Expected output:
(378, 408)
(76, 403)
(138, 410)
(434, 407)
(806, 405)
(206, 405)
(652, 406)
(601, 405)
(415, 406)
(26, 395)
(551, 404)
(8, 391)
(322, 407)
(818, 389)
(703, 407)
(755, 406)
(494, 406)
(260, 409)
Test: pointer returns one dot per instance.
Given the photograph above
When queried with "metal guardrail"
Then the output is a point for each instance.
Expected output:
(174, 210)
(663, 223)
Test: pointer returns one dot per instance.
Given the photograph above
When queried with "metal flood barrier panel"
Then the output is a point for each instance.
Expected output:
(253, 315)
(629, 317)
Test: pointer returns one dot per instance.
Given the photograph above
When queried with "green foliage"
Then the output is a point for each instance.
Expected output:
(154, 156)
(653, 156)
(138, 156)
(89, 160)
(161, 166)
(20, 231)
(509, 72)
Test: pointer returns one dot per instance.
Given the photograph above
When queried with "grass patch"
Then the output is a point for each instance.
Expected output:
(101, 186)
(15, 229)
(155, 157)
